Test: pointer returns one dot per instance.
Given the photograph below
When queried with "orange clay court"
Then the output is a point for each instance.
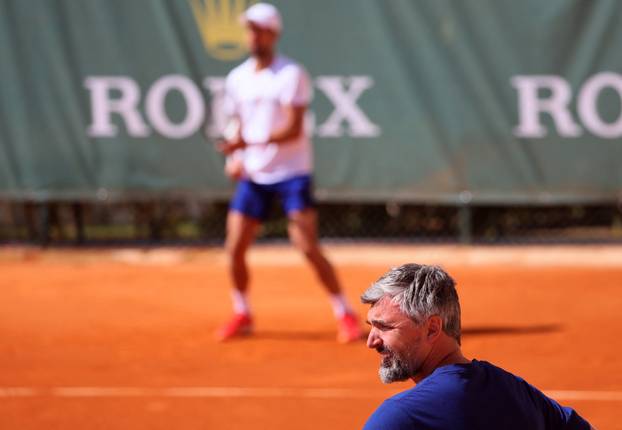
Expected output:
(122, 339)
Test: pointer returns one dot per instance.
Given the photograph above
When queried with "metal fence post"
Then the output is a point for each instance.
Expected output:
(43, 229)
(465, 215)
(465, 224)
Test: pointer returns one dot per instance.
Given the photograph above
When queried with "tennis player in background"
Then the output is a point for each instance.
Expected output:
(270, 155)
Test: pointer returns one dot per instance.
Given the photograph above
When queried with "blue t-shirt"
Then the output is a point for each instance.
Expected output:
(475, 395)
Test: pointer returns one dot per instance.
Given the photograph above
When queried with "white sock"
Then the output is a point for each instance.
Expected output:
(340, 305)
(240, 302)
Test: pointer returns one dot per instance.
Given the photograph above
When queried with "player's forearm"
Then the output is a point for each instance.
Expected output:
(285, 134)
(292, 128)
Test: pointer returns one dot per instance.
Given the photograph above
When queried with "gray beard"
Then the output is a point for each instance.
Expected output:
(393, 369)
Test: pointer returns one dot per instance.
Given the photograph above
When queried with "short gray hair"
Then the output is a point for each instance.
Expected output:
(420, 291)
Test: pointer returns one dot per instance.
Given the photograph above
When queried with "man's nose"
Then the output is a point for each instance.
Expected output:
(373, 340)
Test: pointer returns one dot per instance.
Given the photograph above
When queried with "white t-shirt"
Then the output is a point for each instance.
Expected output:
(258, 99)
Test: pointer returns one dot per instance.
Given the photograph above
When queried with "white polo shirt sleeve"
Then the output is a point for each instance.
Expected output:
(297, 90)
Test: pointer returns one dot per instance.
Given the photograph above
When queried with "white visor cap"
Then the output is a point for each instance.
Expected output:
(263, 15)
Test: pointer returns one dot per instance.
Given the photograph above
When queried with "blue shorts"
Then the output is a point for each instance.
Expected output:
(255, 200)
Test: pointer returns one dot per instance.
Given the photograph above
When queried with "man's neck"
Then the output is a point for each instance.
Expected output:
(264, 61)
(438, 359)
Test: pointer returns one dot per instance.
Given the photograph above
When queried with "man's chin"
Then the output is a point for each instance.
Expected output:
(391, 374)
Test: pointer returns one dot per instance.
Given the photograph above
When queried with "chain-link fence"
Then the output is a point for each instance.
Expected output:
(203, 222)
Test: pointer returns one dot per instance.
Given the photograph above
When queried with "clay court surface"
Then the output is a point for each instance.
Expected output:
(122, 339)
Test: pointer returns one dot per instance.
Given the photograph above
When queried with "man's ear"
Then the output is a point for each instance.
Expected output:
(434, 328)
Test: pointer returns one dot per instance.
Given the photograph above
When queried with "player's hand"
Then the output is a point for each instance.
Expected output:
(234, 168)
(229, 147)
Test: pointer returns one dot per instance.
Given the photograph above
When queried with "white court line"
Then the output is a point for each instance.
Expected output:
(603, 396)
(18, 392)
(215, 392)
(256, 392)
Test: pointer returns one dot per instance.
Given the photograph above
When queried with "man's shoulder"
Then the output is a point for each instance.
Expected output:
(285, 60)
(391, 414)
(241, 69)
(408, 409)
(286, 65)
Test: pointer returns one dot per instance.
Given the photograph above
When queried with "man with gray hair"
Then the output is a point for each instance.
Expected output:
(415, 326)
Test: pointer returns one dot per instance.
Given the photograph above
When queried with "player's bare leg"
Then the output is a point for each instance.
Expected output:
(302, 229)
(241, 232)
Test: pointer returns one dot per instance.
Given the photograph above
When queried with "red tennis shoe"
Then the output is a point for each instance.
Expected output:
(238, 325)
(349, 329)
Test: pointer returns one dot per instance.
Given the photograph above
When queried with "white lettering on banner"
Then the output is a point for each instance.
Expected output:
(588, 109)
(342, 92)
(218, 120)
(103, 106)
(557, 105)
(346, 108)
(530, 106)
(156, 112)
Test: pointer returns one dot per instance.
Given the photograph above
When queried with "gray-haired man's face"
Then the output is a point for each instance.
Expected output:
(398, 339)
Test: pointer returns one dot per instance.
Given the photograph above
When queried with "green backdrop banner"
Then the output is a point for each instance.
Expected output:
(486, 101)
